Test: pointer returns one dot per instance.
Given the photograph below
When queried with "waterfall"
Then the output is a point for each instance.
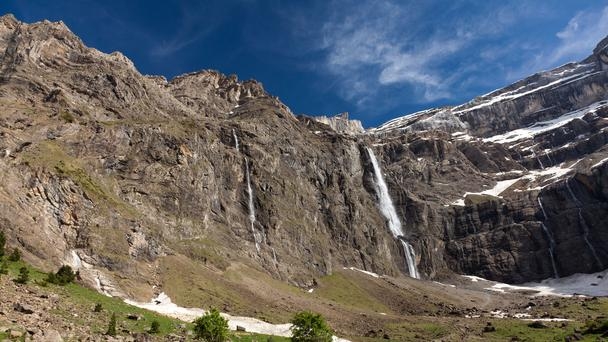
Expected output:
(251, 206)
(551, 249)
(550, 238)
(390, 214)
(549, 158)
(410, 258)
(236, 140)
(538, 159)
(576, 201)
(583, 223)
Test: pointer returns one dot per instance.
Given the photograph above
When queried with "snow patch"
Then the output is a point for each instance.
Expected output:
(163, 305)
(543, 126)
(362, 271)
(595, 284)
(599, 163)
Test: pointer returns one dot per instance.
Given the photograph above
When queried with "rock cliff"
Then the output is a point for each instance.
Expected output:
(121, 174)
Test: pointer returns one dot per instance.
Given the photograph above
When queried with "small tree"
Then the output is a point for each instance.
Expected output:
(97, 308)
(310, 327)
(112, 326)
(2, 243)
(64, 276)
(155, 327)
(15, 256)
(24, 275)
(211, 327)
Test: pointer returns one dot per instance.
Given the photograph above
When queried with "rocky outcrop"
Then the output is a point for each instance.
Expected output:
(342, 124)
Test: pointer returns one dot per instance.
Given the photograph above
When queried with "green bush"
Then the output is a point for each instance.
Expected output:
(64, 276)
(2, 243)
(211, 327)
(15, 256)
(112, 326)
(154, 327)
(4, 267)
(24, 275)
(310, 327)
(97, 308)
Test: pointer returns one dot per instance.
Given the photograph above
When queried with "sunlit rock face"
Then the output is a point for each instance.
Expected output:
(129, 171)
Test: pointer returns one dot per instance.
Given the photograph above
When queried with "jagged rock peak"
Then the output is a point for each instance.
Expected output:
(216, 79)
(601, 53)
(341, 124)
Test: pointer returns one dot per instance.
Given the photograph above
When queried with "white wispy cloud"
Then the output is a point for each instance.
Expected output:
(376, 44)
(575, 42)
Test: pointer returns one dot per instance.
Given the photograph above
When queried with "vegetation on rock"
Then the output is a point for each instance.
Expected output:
(24, 275)
(2, 243)
(112, 326)
(15, 255)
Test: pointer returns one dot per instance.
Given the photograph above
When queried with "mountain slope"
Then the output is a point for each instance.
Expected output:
(147, 185)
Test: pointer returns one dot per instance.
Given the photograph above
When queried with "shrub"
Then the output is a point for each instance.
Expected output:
(97, 308)
(310, 327)
(15, 256)
(4, 267)
(211, 327)
(597, 326)
(2, 243)
(64, 276)
(24, 275)
(154, 327)
(112, 326)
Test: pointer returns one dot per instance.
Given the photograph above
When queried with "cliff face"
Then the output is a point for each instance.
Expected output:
(116, 173)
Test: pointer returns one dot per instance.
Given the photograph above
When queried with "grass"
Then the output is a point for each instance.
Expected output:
(246, 337)
(338, 288)
(78, 303)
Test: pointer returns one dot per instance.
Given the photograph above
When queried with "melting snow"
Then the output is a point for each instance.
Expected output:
(375, 275)
(595, 284)
(163, 305)
(474, 278)
(543, 126)
(495, 191)
(599, 163)
(510, 95)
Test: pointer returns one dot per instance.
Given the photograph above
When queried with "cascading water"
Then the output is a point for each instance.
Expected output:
(410, 258)
(550, 238)
(578, 203)
(236, 140)
(387, 209)
(538, 159)
(583, 224)
(251, 207)
(549, 158)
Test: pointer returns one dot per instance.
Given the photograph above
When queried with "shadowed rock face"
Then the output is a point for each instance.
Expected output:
(115, 171)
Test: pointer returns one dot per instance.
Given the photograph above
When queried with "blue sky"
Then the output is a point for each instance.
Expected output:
(376, 59)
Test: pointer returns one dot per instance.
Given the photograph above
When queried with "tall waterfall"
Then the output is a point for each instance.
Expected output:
(550, 238)
(251, 206)
(388, 211)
